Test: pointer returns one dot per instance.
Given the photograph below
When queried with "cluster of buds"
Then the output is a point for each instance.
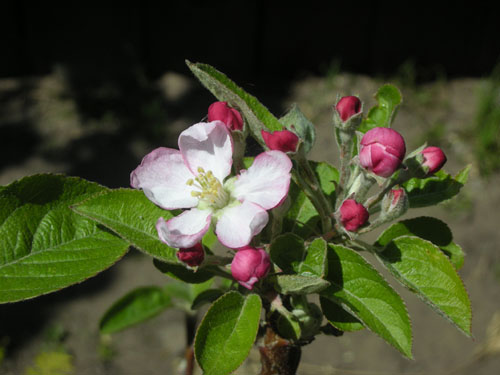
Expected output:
(196, 178)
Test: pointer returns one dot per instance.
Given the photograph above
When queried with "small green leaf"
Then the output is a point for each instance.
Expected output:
(338, 317)
(133, 308)
(287, 251)
(435, 189)
(183, 294)
(299, 284)
(289, 327)
(257, 116)
(207, 296)
(430, 229)
(295, 120)
(362, 291)
(227, 333)
(315, 261)
(426, 271)
(44, 246)
(382, 114)
(182, 273)
(132, 216)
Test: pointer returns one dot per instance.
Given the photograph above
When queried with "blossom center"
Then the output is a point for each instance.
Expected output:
(210, 189)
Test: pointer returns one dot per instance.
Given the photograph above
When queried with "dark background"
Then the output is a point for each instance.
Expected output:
(252, 40)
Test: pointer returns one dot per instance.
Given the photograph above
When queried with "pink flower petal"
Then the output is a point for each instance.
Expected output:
(239, 224)
(185, 230)
(267, 181)
(162, 176)
(207, 145)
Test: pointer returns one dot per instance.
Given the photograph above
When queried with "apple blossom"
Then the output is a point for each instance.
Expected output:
(194, 178)
(282, 140)
(249, 265)
(348, 106)
(229, 116)
(434, 159)
(382, 151)
(353, 215)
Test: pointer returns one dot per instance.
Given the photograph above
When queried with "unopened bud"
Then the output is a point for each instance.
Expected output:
(382, 151)
(394, 204)
(347, 107)
(281, 140)
(250, 265)
(353, 215)
(229, 116)
(192, 256)
(434, 159)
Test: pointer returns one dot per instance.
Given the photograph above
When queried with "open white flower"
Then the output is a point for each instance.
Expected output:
(194, 176)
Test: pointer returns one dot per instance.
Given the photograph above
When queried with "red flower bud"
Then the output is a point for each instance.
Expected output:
(353, 215)
(229, 116)
(249, 265)
(434, 159)
(382, 151)
(348, 106)
(193, 256)
(282, 140)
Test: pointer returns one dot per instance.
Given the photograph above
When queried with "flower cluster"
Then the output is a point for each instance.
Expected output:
(201, 179)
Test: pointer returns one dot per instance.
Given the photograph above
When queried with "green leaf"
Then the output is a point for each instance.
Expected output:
(44, 246)
(382, 114)
(287, 251)
(298, 122)
(435, 189)
(227, 333)
(133, 308)
(183, 295)
(315, 261)
(289, 327)
(338, 317)
(430, 229)
(299, 284)
(426, 271)
(207, 296)
(302, 218)
(257, 116)
(181, 272)
(362, 291)
(132, 216)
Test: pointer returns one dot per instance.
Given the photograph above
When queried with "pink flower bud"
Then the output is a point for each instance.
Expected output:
(229, 116)
(382, 151)
(394, 204)
(434, 159)
(353, 215)
(193, 256)
(250, 265)
(282, 140)
(348, 106)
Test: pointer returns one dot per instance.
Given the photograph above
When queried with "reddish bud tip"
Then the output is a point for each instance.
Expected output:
(382, 151)
(348, 106)
(193, 256)
(249, 265)
(282, 140)
(434, 159)
(229, 116)
(353, 215)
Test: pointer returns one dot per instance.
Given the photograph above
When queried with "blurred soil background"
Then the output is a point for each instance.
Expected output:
(89, 91)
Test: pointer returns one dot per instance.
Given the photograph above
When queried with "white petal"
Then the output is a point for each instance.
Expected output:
(266, 182)
(208, 145)
(162, 176)
(239, 224)
(186, 230)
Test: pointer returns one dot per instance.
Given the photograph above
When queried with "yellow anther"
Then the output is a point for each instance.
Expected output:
(190, 182)
(201, 170)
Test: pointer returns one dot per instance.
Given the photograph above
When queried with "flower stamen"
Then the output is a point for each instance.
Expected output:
(211, 190)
